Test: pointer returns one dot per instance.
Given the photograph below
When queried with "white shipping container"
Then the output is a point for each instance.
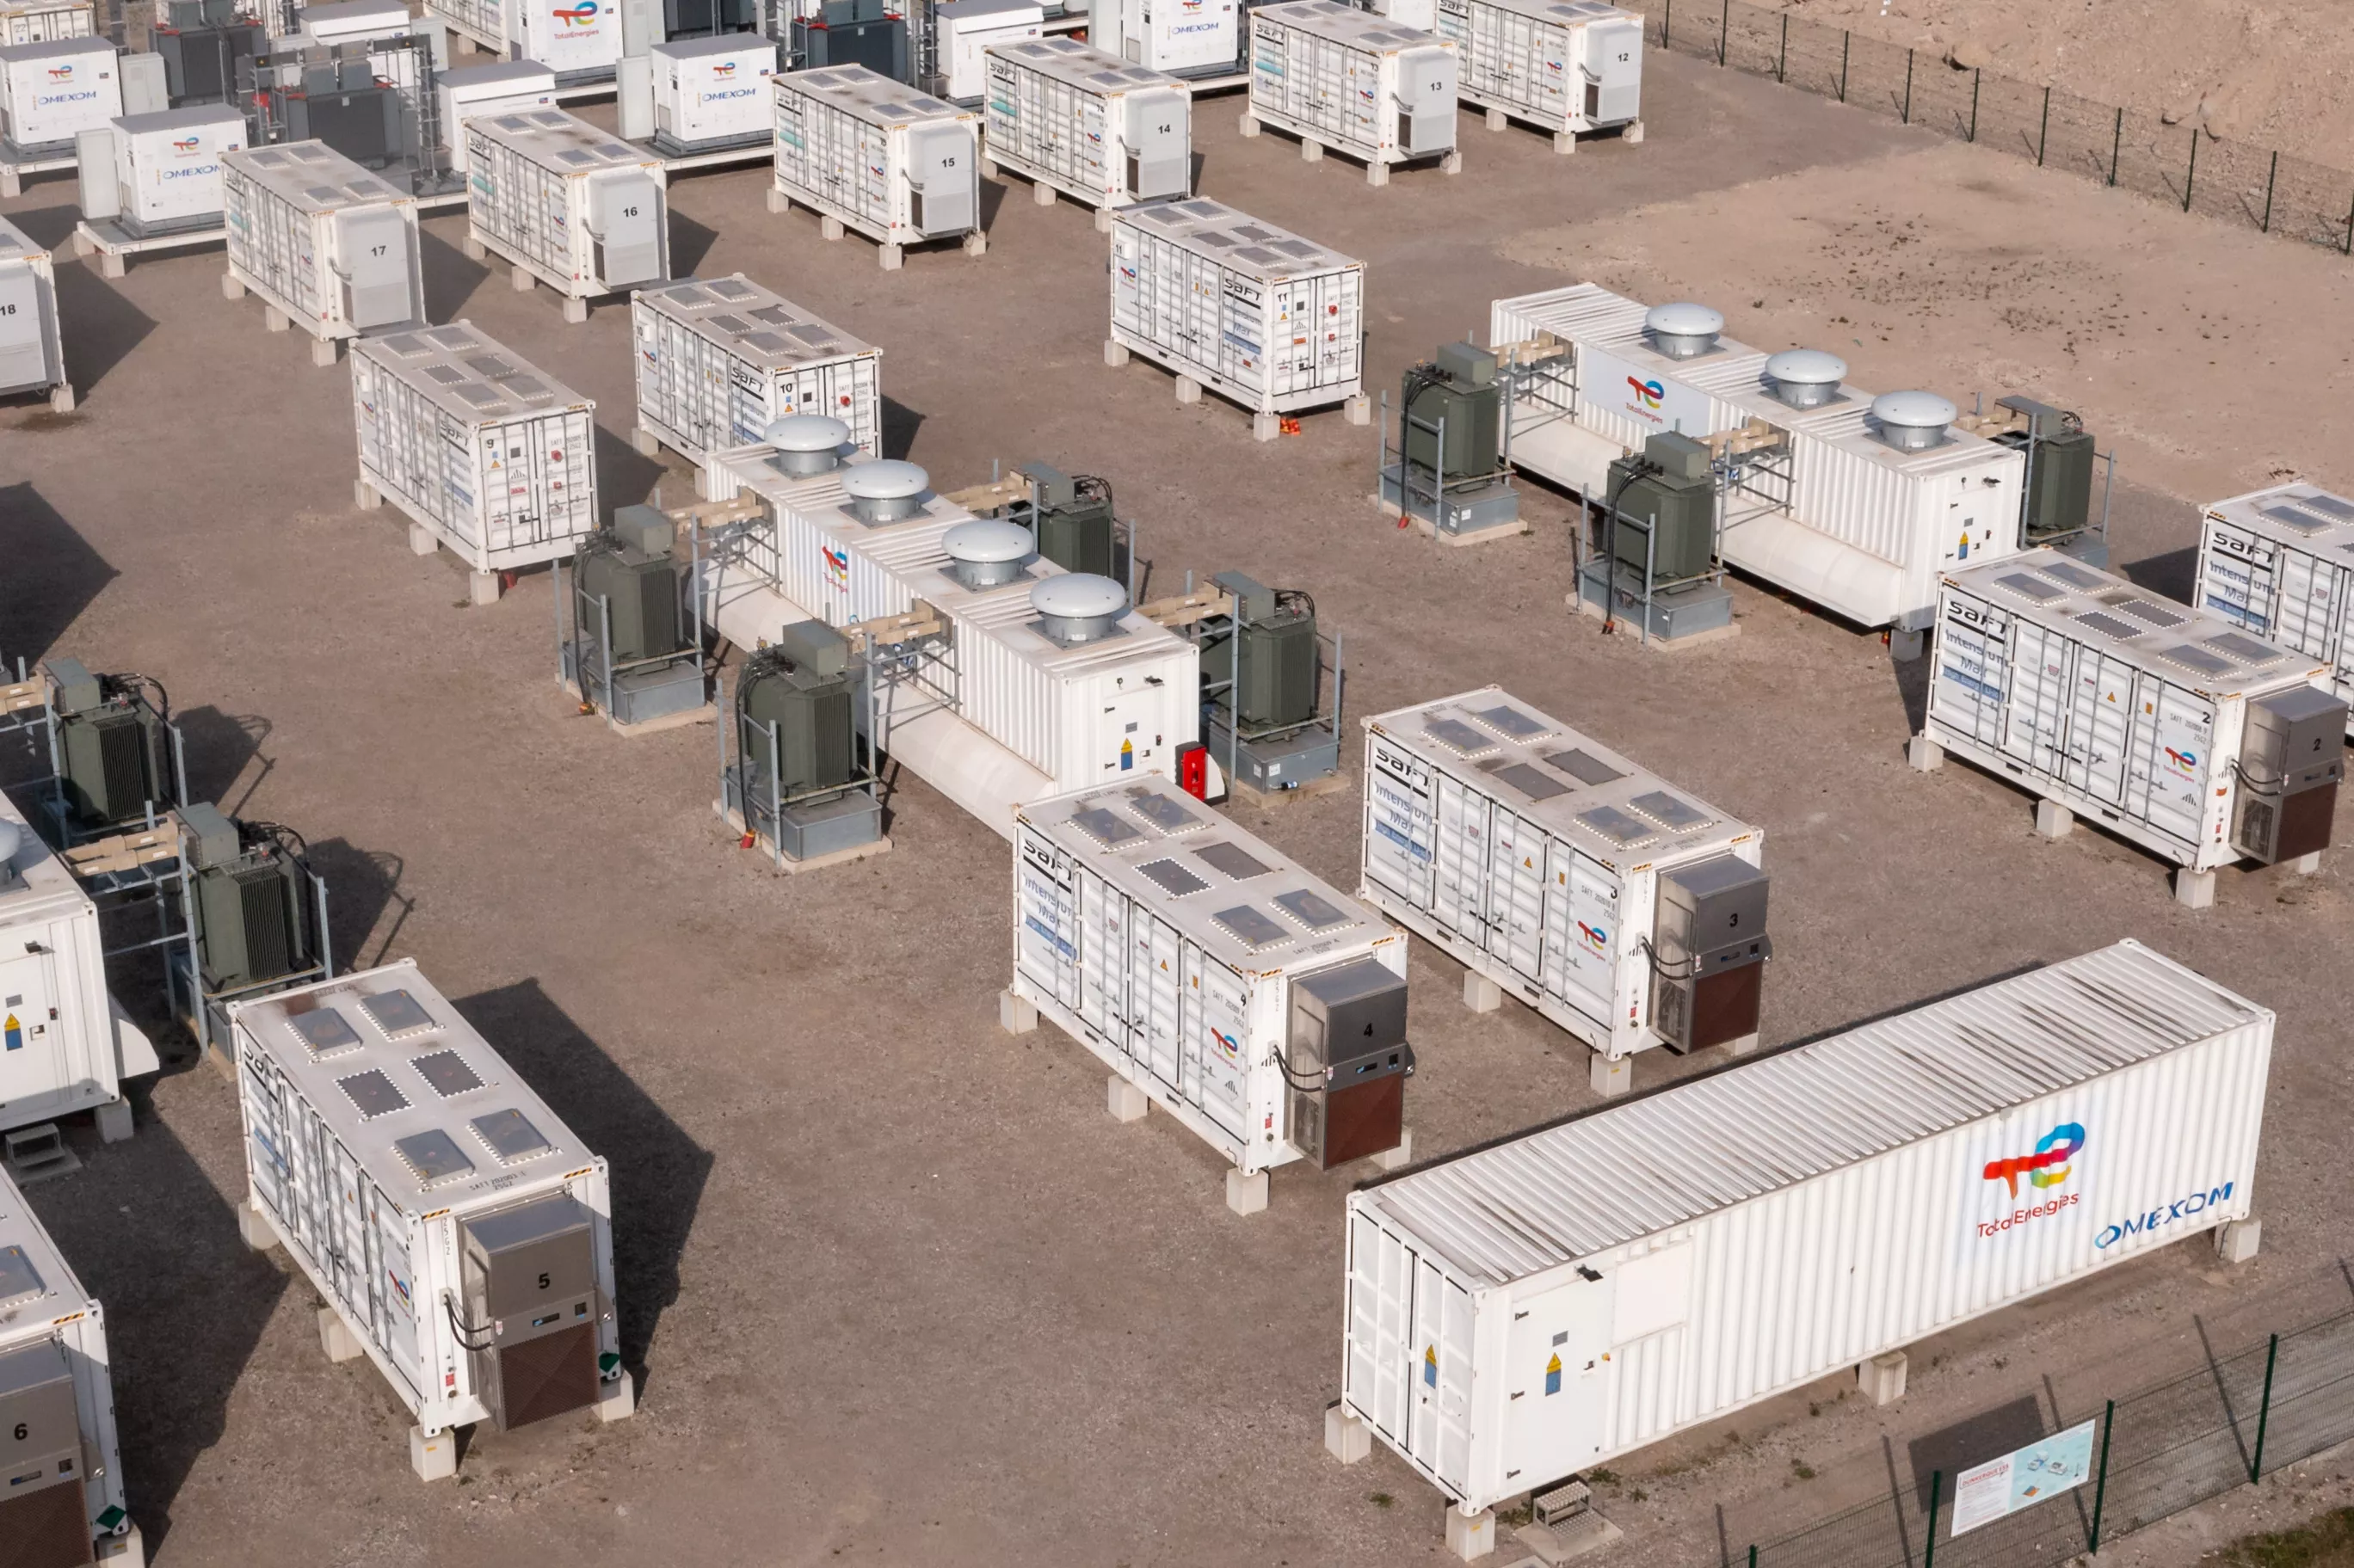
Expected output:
(579, 40)
(57, 1440)
(349, 21)
(509, 86)
(1566, 65)
(1171, 944)
(1351, 80)
(32, 347)
(964, 31)
(52, 91)
(167, 167)
(65, 1046)
(1185, 37)
(2152, 718)
(2280, 563)
(720, 361)
(39, 21)
(1539, 1307)
(1544, 860)
(714, 92)
(328, 243)
(586, 213)
(497, 459)
(459, 1229)
(1274, 321)
(1080, 121)
(896, 164)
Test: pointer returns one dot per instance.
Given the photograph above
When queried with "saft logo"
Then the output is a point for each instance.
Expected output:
(2048, 1166)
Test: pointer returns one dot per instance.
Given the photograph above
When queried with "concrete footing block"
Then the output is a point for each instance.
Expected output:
(1906, 646)
(1883, 1377)
(1042, 194)
(778, 201)
(1115, 353)
(1266, 427)
(483, 587)
(323, 350)
(61, 397)
(112, 264)
(230, 288)
(976, 243)
(473, 248)
(1401, 1157)
(645, 443)
(1189, 391)
(2194, 889)
(2053, 821)
(1346, 1438)
(829, 227)
(576, 309)
(1377, 174)
(1311, 152)
(1482, 994)
(1250, 125)
(1924, 754)
(619, 1402)
(253, 1230)
(335, 1336)
(1103, 220)
(1124, 1101)
(2304, 864)
(434, 1458)
(2237, 1241)
(1609, 1075)
(421, 541)
(273, 319)
(989, 168)
(1744, 1047)
(1633, 134)
(1246, 1194)
(1016, 1014)
(520, 279)
(1452, 164)
(1359, 409)
(1565, 143)
(1470, 1536)
(114, 1121)
(128, 1550)
(1498, 121)
(890, 257)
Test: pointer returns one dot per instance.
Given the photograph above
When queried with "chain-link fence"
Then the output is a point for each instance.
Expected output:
(2132, 150)
(2158, 1451)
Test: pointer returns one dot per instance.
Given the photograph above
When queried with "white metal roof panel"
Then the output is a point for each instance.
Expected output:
(561, 141)
(312, 176)
(37, 1285)
(468, 375)
(1235, 239)
(1067, 59)
(1348, 26)
(875, 98)
(2302, 516)
(752, 322)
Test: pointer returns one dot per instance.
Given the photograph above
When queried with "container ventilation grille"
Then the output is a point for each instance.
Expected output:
(2197, 660)
(1104, 828)
(1511, 722)
(731, 289)
(1530, 780)
(1232, 861)
(19, 1281)
(2341, 510)
(491, 367)
(1584, 766)
(730, 323)
(2028, 585)
(396, 1013)
(1310, 910)
(372, 1093)
(447, 1073)
(1676, 816)
(1458, 737)
(2109, 625)
(445, 374)
(1250, 926)
(1171, 878)
(2296, 518)
(2243, 649)
(325, 1032)
(1616, 826)
(510, 1135)
(432, 1157)
(2144, 610)
(2075, 577)
(1162, 812)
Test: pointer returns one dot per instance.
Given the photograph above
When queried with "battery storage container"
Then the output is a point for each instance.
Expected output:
(42, 21)
(461, 1231)
(32, 346)
(57, 1442)
(1260, 316)
(1837, 513)
(721, 360)
(963, 31)
(509, 87)
(328, 243)
(1620, 908)
(1352, 81)
(2280, 563)
(1568, 66)
(167, 167)
(2169, 726)
(1260, 1006)
(53, 90)
(1183, 38)
(1085, 123)
(495, 458)
(894, 163)
(579, 40)
(1541, 1305)
(581, 210)
(714, 92)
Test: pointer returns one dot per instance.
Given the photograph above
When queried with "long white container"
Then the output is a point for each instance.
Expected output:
(461, 1231)
(963, 31)
(721, 360)
(497, 459)
(894, 163)
(52, 91)
(1352, 81)
(2129, 709)
(1533, 854)
(1081, 122)
(2280, 563)
(167, 167)
(1010, 716)
(32, 346)
(353, 21)
(1538, 1306)
(1844, 520)
(59, 1447)
(1256, 314)
(65, 1046)
(1185, 37)
(509, 87)
(39, 21)
(579, 40)
(329, 244)
(582, 211)
(714, 92)
(1568, 66)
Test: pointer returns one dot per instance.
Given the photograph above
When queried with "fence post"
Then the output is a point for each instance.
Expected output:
(1666, 21)
(2265, 1410)
(1929, 1543)
(1907, 115)
(2272, 177)
(1753, 1557)
(2349, 247)
(1846, 41)
(1782, 62)
(2100, 1487)
(2043, 131)
(1723, 31)
(2116, 144)
(2190, 170)
(1976, 78)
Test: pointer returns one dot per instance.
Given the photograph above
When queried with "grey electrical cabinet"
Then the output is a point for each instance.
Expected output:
(1709, 949)
(1349, 1061)
(2291, 763)
(530, 1294)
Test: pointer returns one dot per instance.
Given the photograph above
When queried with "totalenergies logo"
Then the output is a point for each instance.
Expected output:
(61, 73)
(577, 16)
(1190, 7)
(1228, 1044)
(1595, 936)
(1646, 393)
(724, 69)
(837, 564)
(183, 143)
(2048, 1166)
(2183, 762)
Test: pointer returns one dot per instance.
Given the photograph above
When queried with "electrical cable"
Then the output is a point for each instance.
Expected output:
(1650, 956)
(1637, 467)
(462, 1329)
(1305, 1085)
(161, 702)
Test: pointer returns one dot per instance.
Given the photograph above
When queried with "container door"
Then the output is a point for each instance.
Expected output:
(32, 1059)
(1542, 67)
(1128, 743)
(1440, 1425)
(1379, 1368)
(1093, 896)
(1557, 1378)
(397, 1283)
(2313, 603)
(1459, 899)
(1517, 936)
(1156, 989)
(2100, 721)
(2035, 722)
(346, 1237)
(1222, 1044)
(1966, 687)
(1582, 909)
(1400, 827)
(2178, 762)
(376, 268)
(1047, 947)
(2236, 579)
(626, 218)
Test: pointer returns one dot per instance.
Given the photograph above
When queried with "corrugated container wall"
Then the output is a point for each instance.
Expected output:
(509, 86)
(40, 23)
(32, 346)
(890, 162)
(1085, 123)
(1566, 65)
(1353, 81)
(321, 239)
(1540, 1306)
(720, 361)
(586, 212)
(2280, 563)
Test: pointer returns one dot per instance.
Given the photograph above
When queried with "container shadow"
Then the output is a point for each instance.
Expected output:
(53, 574)
(1912, 677)
(449, 279)
(220, 748)
(626, 476)
(658, 1173)
(690, 242)
(1988, 1434)
(900, 423)
(363, 893)
(103, 326)
(2171, 574)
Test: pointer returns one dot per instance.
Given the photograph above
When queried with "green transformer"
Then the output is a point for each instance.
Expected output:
(631, 568)
(804, 688)
(114, 747)
(1453, 407)
(1273, 639)
(1074, 520)
(1669, 495)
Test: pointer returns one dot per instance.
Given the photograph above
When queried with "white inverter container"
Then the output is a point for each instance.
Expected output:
(460, 1232)
(2280, 563)
(52, 91)
(1537, 1306)
(496, 458)
(167, 167)
(2169, 726)
(329, 244)
(963, 31)
(1260, 1006)
(1618, 907)
(714, 92)
(57, 1440)
(579, 40)
(720, 360)
(1007, 712)
(1183, 38)
(1351, 81)
(1835, 500)
(32, 347)
(508, 87)
(353, 21)
(1081, 122)
(575, 207)
(1564, 65)
(65, 1046)
(1258, 315)
(39, 21)
(896, 164)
